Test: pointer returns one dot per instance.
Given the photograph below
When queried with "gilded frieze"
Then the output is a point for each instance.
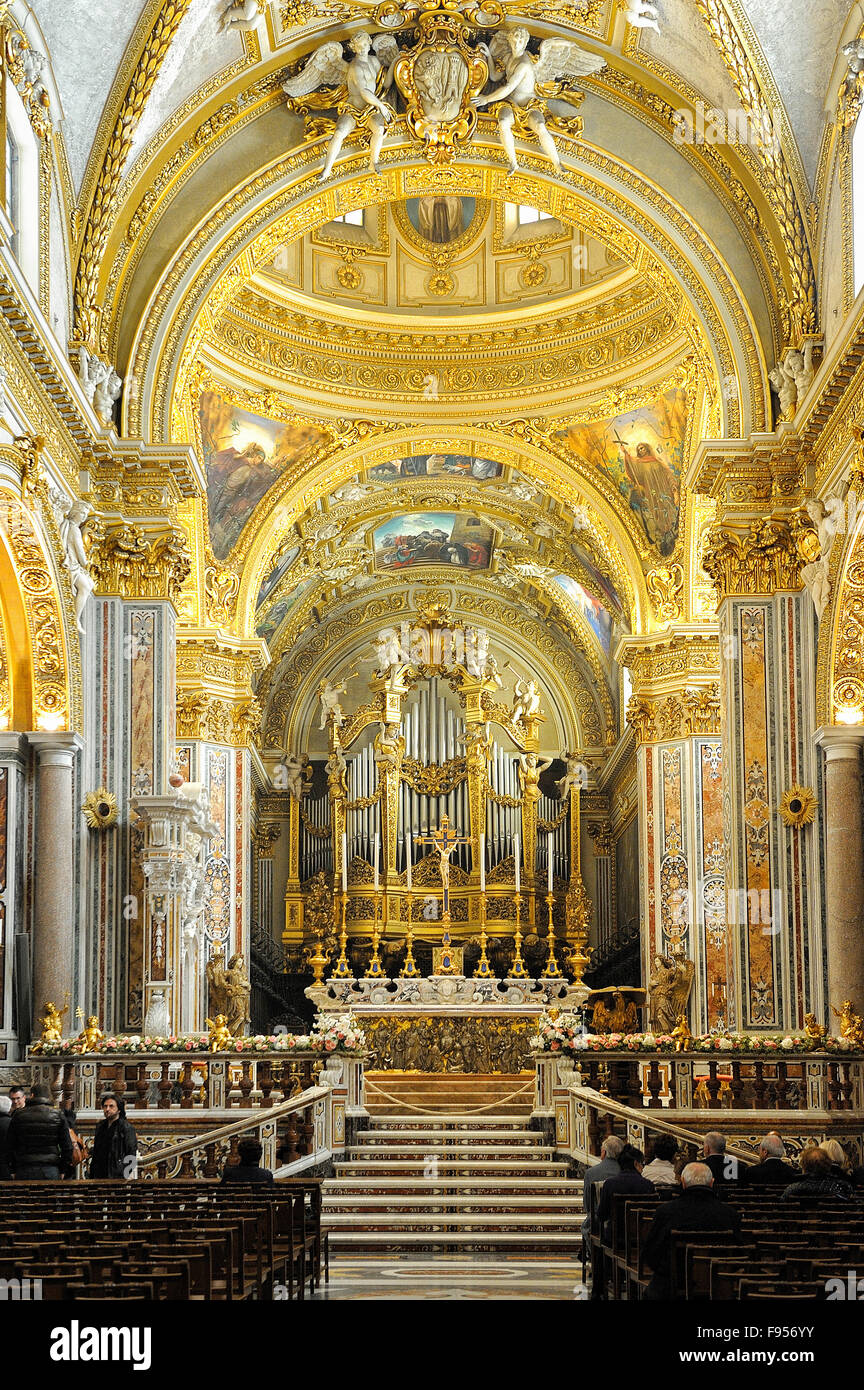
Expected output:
(134, 563)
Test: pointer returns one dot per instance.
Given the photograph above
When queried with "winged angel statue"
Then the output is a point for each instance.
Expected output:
(520, 97)
(440, 79)
(358, 88)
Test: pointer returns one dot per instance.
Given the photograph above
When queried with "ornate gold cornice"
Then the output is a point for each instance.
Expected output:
(215, 720)
(669, 662)
(215, 701)
(127, 560)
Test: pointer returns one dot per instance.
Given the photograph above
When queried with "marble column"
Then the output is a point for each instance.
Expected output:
(14, 766)
(844, 863)
(54, 894)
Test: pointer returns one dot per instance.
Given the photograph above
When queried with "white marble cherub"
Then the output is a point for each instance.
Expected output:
(524, 76)
(368, 73)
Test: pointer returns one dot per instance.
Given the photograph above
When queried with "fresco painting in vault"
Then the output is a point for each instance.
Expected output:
(642, 452)
(244, 454)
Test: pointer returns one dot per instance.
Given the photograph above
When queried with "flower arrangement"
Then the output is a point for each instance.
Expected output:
(330, 1035)
(752, 1043)
(338, 1033)
(558, 1033)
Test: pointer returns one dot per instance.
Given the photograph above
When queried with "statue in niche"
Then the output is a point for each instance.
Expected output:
(360, 84)
(816, 573)
(524, 76)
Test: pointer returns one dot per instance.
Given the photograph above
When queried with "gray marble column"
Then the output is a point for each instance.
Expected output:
(844, 863)
(53, 868)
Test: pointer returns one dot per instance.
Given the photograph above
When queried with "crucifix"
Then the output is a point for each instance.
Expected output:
(445, 841)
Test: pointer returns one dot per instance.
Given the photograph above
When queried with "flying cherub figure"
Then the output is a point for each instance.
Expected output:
(524, 75)
(360, 84)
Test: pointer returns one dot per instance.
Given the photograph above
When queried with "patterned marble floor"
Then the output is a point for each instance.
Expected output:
(445, 1277)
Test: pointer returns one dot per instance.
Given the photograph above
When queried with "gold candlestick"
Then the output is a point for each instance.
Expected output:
(319, 960)
(375, 969)
(517, 970)
(552, 971)
(342, 970)
(409, 970)
(484, 969)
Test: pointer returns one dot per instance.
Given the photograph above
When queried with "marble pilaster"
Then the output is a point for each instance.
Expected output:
(844, 863)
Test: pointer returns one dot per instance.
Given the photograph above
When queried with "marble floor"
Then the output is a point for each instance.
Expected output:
(453, 1277)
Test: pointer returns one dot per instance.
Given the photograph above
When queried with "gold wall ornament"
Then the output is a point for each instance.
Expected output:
(30, 448)
(798, 806)
(128, 560)
(106, 196)
(221, 587)
(441, 76)
(100, 809)
(601, 836)
(666, 588)
(216, 719)
(485, 1044)
(762, 557)
(681, 714)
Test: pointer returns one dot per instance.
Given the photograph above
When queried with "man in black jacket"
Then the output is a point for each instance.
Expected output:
(5, 1121)
(697, 1210)
(770, 1168)
(723, 1168)
(38, 1142)
(115, 1143)
(249, 1151)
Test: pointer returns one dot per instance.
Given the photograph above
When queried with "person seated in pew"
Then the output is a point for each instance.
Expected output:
(770, 1168)
(818, 1180)
(631, 1179)
(841, 1168)
(608, 1167)
(248, 1169)
(725, 1169)
(697, 1210)
(661, 1170)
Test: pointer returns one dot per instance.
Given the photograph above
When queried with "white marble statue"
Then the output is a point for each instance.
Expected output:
(816, 575)
(523, 76)
(156, 1021)
(32, 64)
(351, 492)
(575, 778)
(294, 766)
(330, 707)
(369, 71)
(526, 700)
(791, 378)
(240, 14)
(102, 385)
(74, 516)
(643, 15)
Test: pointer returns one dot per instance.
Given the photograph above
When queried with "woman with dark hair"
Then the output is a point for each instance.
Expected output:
(115, 1143)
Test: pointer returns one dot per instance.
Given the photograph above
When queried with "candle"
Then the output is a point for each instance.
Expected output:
(376, 863)
(482, 863)
(516, 861)
(549, 856)
(408, 859)
(344, 862)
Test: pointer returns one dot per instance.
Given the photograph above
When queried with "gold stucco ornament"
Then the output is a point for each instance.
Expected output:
(798, 806)
(100, 809)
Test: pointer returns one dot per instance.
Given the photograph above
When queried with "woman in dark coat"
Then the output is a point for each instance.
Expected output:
(115, 1143)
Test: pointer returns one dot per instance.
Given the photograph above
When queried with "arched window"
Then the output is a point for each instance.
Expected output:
(22, 186)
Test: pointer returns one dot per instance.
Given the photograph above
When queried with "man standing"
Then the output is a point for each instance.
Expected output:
(115, 1143)
(38, 1141)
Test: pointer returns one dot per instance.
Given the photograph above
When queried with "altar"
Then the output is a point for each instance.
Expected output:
(444, 1023)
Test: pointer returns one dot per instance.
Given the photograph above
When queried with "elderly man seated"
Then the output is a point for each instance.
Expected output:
(714, 1153)
(698, 1211)
(770, 1168)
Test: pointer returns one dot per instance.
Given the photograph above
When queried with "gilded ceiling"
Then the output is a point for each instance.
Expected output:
(439, 374)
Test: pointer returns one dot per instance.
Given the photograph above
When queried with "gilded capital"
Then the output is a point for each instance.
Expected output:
(134, 563)
(762, 557)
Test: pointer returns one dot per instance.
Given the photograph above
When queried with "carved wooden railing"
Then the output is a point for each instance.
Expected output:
(300, 1129)
(188, 1081)
(594, 1121)
(701, 1081)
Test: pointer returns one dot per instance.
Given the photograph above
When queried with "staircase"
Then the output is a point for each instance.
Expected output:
(449, 1165)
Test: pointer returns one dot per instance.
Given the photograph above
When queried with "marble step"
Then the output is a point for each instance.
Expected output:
(496, 1221)
(512, 1138)
(480, 1151)
(552, 1187)
(508, 1123)
(501, 1167)
(491, 1203)
(447, 1241)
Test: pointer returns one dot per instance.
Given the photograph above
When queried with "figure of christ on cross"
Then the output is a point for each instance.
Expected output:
(445, 841)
